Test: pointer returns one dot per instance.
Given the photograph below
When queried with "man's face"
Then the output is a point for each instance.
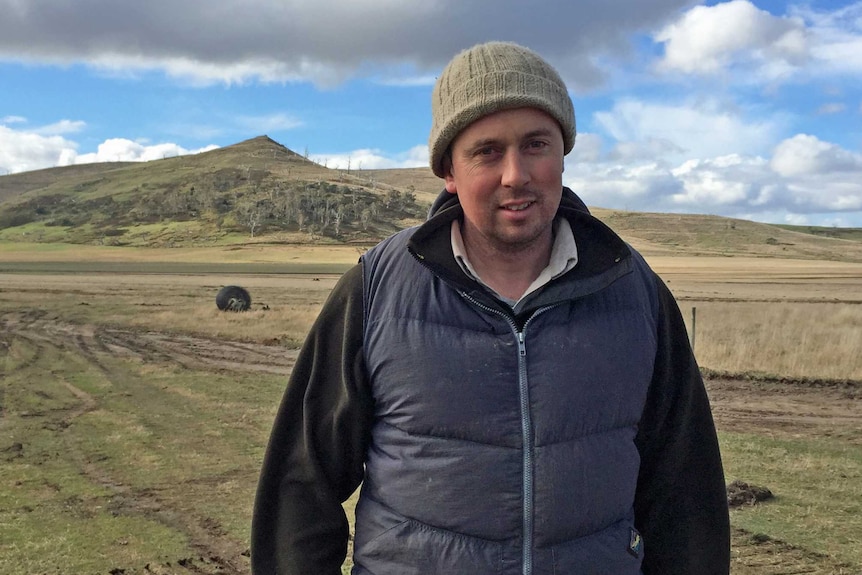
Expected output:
(507, 169)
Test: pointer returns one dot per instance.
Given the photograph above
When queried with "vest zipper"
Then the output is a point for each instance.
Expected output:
(526, 425)
(527, 435)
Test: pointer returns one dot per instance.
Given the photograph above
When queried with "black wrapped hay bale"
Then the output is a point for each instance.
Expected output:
(233, 298)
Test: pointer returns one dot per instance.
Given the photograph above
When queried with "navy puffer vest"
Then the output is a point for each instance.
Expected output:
(499, 448)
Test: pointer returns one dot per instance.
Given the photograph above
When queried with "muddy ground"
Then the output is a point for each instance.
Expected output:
(832, 409)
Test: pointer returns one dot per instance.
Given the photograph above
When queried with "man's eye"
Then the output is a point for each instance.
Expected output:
(537, 144)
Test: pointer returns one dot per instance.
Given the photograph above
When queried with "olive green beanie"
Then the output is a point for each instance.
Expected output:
(488, 78)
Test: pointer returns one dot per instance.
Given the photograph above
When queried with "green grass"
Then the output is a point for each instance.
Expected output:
(114, 474)
(13, 248)
(853, 234)
(82, 541)
(817, 483)
(35, 232)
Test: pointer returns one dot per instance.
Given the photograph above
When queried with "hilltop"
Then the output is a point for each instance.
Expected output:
(260, 191)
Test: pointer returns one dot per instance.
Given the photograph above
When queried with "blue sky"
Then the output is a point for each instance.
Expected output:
(749, 109)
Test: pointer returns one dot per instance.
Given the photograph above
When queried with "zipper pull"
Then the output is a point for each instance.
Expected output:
(522, 348)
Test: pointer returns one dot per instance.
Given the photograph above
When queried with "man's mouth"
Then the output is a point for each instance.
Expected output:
(518, 207)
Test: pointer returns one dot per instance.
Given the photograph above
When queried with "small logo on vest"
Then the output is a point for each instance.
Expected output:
(636, 542)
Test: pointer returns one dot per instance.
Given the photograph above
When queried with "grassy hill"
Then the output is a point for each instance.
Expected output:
(260, 191)
(693, 234)
(257, 188)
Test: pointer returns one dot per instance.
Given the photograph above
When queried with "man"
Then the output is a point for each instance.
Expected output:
(510, 383)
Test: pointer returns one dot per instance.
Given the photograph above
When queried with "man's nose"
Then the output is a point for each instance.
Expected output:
(515, 171)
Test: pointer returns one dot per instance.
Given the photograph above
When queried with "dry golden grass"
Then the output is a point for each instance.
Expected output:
(783, 317)
(793, 318)
(285, 326)
(238, 254)
(283, 307)
(760, 279)
(798, 340)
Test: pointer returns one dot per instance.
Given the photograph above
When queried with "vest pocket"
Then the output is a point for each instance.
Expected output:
(387, 543)
(615, 550)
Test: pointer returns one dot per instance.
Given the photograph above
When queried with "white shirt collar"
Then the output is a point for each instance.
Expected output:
(564, 256)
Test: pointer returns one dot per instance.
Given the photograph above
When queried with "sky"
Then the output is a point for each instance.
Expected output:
(746, 109)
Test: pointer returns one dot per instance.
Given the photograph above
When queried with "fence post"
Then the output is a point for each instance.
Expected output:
(693, 326)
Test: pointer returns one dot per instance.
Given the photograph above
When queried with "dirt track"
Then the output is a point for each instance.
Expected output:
(215, 551)
(810, 409)
(818, 409)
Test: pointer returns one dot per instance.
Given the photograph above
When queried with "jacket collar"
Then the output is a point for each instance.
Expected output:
(603, 257)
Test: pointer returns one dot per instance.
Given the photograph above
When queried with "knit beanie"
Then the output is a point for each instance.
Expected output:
(488, 78)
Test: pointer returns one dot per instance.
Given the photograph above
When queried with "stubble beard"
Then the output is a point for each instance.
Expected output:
(511, 241)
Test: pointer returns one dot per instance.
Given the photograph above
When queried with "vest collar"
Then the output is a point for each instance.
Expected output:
(603, 257)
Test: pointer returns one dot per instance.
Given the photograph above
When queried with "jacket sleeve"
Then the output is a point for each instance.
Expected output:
(316, 452)
(681, 499)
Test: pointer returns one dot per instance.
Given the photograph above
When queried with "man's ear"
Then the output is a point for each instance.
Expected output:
(448, 176)
(450, 185)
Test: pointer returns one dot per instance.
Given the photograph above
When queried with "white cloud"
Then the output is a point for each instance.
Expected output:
(650, 149)
(806, 155)
(409, 81)
(60, 128)
(804, 180)
(836, 35)
(25, 150)
(630, 187)
(724, 181)
(588, 148)
(707, 39)
(755, 46)
(123, 150)
(13, 120)
(831, 108)
(367, 159)
(677, 131)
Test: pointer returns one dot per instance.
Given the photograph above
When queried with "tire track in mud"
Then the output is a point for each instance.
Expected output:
(214, 551)
(193, 352)
(7, 336)
(6, 369)
(816, 408)
(40, 330)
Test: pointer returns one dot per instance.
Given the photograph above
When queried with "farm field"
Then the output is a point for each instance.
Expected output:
(135, 414)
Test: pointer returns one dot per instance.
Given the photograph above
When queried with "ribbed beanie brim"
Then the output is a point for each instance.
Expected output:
(488, 78)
